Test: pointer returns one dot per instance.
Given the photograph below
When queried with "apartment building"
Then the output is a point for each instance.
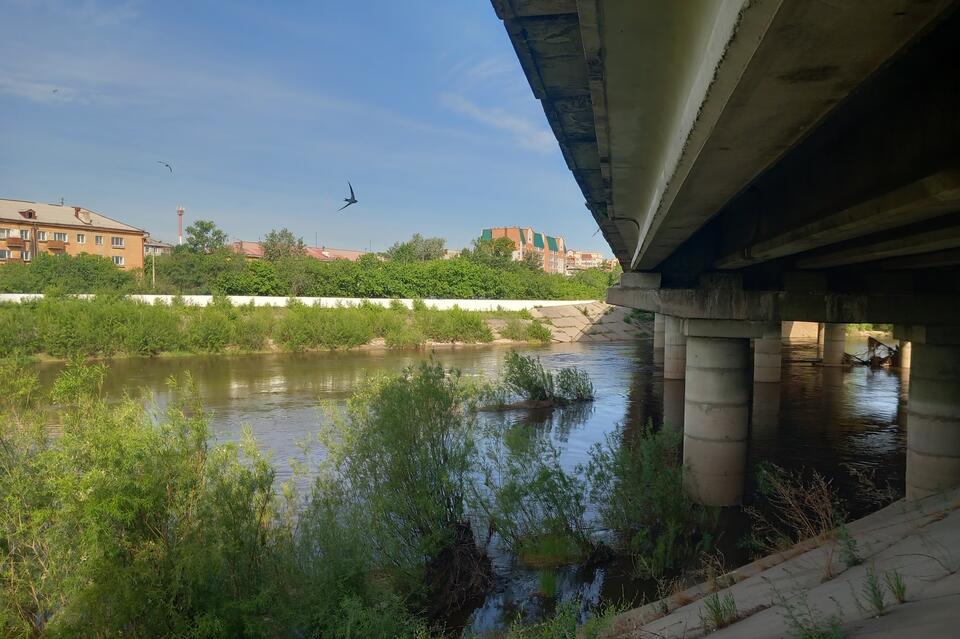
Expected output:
(582, 260)
(156, 247)
(551, 250)
(29, 228)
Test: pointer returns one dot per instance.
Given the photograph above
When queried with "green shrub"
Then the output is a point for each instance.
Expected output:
(535, 506)
(401, 461)
(209, 330)
(637, 480)
(537, 332)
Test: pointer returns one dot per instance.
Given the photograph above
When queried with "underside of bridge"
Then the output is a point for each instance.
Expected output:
(758, 161)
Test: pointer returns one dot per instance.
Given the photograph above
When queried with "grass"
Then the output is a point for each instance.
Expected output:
(896, 585)
(806, 622)
(110, 326)
(873, 592)
(719, 611)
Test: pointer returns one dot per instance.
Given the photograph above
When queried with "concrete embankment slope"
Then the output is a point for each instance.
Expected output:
(917, 541)
(592, 322)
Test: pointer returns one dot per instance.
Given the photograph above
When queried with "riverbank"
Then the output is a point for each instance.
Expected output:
(109, 326)
(901, 577)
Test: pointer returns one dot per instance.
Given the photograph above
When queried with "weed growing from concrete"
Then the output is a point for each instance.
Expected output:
(873, 592)
(804, 621)
(896, 585)
(719, 611)
(849, 552)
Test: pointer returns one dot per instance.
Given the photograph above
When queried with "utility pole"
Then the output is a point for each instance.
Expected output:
(153, 286)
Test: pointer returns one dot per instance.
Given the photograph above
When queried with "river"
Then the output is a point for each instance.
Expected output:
(819, 418)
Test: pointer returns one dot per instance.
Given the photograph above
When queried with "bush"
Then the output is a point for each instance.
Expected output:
(401, 461)
(525, 376)
(535, 506)
(637, 479)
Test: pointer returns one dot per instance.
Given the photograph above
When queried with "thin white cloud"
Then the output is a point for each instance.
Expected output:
(526, 133)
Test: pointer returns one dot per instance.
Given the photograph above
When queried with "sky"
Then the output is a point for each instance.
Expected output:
(266, 109)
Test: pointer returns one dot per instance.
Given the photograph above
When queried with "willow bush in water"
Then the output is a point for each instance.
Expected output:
(636, 478)
(402, 459)
(531, 502)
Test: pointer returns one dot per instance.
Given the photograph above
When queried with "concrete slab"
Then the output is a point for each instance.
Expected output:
(914, 539)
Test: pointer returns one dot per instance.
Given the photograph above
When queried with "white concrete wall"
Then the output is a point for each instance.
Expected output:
(237, 300)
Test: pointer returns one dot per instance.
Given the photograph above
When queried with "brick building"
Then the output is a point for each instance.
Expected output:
(29, 228)
(551, 250)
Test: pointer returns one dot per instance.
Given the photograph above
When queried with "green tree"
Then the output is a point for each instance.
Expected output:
(417, 249)
(203, 236)
(496, 252)
(281, 244)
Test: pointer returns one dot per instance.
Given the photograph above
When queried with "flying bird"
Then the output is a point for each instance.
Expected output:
(55, 90)
(349, 200)
(165, 164)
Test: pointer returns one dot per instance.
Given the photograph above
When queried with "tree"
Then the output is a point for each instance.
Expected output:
(498, 252)
(417, 249)
(281, 244)
(203, 236)
(532, 260)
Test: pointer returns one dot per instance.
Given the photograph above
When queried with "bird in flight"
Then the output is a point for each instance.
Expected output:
(349, 200)
(165, 164)
(55, 90)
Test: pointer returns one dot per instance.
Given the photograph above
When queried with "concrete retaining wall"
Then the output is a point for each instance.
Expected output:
(238, 300)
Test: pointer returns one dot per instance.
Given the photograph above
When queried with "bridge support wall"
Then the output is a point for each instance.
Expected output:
(834, 344)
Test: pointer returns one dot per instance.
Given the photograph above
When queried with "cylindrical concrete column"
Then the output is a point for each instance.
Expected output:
(933, 421)
(673, 404)
(674, 348)
(834, 344)
(906, 354)
(766, 356)
(658, 338)
(716, 418)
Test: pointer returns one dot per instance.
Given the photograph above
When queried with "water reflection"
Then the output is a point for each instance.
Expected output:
(818, 417)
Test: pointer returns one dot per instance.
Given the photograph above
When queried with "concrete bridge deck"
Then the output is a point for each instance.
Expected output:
(753, 162)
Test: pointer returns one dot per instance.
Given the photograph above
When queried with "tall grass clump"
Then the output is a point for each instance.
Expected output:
(637, 478)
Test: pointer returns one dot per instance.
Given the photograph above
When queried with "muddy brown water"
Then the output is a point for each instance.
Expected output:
(819, 418)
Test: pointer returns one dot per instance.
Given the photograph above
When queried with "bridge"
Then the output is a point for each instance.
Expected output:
(754, 162)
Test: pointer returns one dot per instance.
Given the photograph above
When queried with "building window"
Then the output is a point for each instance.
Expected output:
(116, 242)
(24, 235)
(60, 237)
(81, 238)
(4, 254)
(25, 256)
(118, 260)
(4, 234)
(98, 240)
(41, 236)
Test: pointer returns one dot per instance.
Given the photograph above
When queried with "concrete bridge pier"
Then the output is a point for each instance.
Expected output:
(767, 355)
(906, 354)
(933, 412)
(673, 392)
(658, 338)
(717, 408)
(834, 344)
(675, 348)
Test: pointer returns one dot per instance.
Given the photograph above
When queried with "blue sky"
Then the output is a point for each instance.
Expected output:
(266, 109)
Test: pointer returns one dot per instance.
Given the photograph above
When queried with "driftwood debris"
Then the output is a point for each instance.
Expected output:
(877, 355)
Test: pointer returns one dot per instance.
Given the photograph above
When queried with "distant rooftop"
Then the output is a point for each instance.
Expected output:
(254, 250)
(59, 214)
